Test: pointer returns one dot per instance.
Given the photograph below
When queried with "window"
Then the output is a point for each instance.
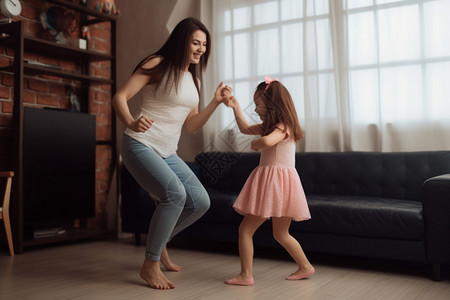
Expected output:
(364, 74)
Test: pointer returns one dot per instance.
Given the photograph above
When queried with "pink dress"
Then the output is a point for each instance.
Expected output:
(274, 189)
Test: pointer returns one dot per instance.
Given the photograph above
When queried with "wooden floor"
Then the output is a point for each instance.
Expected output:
(109, 270)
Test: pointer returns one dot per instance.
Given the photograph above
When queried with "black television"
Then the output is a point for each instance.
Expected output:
(58, 167)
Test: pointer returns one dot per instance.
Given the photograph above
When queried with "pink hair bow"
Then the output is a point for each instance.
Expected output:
(268, 81)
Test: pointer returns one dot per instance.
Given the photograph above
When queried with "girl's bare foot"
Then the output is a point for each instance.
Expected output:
(240, 280)
(167, 263)
(151, 273)
(301, 273)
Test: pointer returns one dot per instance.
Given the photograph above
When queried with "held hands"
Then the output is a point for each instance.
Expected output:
(229, 99)
(141, 125)
(220, 96)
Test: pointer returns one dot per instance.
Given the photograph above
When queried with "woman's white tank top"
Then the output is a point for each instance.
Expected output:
(168, 108)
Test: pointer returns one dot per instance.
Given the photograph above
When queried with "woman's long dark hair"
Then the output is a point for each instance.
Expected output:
(279, 108)
(175, 54)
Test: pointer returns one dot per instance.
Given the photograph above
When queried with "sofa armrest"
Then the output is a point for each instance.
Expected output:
(436, 210)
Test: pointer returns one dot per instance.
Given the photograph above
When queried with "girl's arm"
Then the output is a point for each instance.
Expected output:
(269, 140)
(195, 120)
(241, 121)
(119, 102)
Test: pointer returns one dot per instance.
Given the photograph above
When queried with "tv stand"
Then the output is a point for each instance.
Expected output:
(72, 235)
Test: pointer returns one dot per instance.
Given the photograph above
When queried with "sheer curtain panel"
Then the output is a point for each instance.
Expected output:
(365, 75)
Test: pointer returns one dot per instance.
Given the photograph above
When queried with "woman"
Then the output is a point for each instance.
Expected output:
(169, 80)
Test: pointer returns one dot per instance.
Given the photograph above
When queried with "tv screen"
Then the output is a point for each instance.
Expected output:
(58, 166)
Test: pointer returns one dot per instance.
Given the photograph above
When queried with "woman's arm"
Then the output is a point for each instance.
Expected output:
(269, 140)
(195, 120)
(119, 102)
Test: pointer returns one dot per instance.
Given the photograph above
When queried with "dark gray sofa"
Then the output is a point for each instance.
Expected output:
(368, 204)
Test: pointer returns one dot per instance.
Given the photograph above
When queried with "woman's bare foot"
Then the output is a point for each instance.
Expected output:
(167, 263)
(240, 280)
(301, 273)
(151, 273)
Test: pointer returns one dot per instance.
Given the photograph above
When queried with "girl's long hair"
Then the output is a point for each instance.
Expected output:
(279, 108)
(175, 55)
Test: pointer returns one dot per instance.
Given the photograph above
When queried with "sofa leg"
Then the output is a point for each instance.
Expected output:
(137, 239)
(436, 269)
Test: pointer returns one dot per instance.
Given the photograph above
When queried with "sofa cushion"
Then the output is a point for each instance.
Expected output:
(364, 216)
(226, 171)
(221, 209)
(396, 175)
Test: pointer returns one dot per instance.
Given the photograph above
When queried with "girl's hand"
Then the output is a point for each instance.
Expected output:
(141, 125)
(231, 102)
(254, 145)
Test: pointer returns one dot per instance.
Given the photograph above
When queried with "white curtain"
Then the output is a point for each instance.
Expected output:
(365, 75)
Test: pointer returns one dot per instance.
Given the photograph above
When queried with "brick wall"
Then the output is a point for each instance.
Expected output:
(49, 91)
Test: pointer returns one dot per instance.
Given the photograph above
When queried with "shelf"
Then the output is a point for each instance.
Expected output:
(50, 48)
(81, 8)
(22, 65)
(39, 70)
(72, 235)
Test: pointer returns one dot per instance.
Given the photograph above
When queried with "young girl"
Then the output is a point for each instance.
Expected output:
(273, 189)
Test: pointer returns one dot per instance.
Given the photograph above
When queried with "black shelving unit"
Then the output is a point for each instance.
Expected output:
(13, 37)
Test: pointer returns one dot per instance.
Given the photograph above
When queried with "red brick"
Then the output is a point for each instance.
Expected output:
(57, 89)
(102, 96)
(100, 33)
(29, 12)
(103, 133)
(104, 119)
(102, 175)
(8, 79)
(94, 107)
(4, 62)
(103, 152)
(68, 65)
(5, 92)
(105, 108)
(46, 99)
(29, 97)
(103, 73)
(7, 106)
(38, 85)
(64, 103)
(100, 46)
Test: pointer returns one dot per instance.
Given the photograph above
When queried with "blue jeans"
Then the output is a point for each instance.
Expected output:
(179, 196)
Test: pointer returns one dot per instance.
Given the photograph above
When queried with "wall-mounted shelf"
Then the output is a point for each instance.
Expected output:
(100, 17)
(40, 46)
(30, 69)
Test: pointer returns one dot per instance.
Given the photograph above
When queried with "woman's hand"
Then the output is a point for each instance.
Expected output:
(141, 125)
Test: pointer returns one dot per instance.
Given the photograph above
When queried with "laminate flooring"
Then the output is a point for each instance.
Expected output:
(109, 270)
